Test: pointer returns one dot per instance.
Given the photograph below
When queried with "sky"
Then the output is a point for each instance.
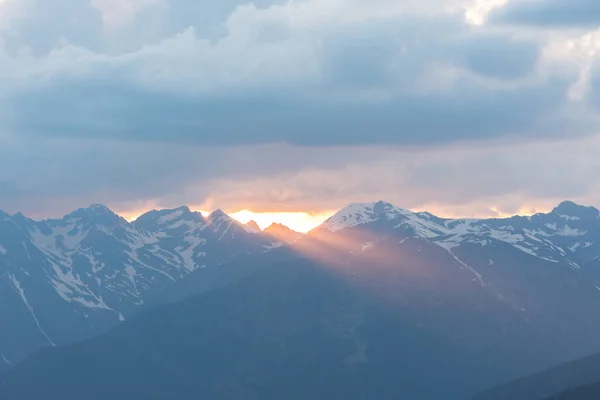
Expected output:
(291, 109)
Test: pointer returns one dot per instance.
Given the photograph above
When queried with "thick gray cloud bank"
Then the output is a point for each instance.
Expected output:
(297, 72)
(140, 103)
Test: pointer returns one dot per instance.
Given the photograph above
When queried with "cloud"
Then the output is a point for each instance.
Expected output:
(550, 13)
(52, 177)
(41, 26)
(299, 105)
(501, 57)
(472, 181)
(305, 72)
(254, 118)
(493, 178)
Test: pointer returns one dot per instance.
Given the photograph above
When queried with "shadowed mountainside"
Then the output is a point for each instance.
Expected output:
(293, 330)
(377, 302)
(565, 381)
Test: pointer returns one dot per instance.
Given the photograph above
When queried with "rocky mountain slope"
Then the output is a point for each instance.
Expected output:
(72, 278)
(545, 267)
(298, 329)
(378, 302)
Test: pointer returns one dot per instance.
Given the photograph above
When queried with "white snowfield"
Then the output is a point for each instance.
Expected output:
(530, 235)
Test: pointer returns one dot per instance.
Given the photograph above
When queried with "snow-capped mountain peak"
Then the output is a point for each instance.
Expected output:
(159, 220)
(568, 234)
(219, 215)
(94, 210)
(96, 214)
(91, 269)
(363, 213)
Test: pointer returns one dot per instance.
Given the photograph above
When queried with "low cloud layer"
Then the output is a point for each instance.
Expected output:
(300, 105)
(494, 178)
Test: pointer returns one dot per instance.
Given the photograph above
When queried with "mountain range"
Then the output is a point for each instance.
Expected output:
(377, 302)
(63, 280)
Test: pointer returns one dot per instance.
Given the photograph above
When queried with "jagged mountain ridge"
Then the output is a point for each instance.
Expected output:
(93, 269)
(62, 280)
(538, 264)
(283, 233)
(545, 267)
(569, 233)
(400, 304)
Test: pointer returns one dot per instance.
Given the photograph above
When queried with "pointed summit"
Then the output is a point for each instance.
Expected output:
(283, 233)
(97, 214)
(363, 213)
(97, 209)
(218, 214)
(573, 210)
(253, 226)
(100, 207)
(159, 219)
(183, 209)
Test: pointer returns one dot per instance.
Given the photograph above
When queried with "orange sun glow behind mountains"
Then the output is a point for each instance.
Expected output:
(297, 221)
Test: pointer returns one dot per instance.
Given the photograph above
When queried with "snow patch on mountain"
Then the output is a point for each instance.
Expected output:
(189, 254)
(272, 246)
(92, 269)
(170, 217)
(362, 213)
(448, 247)
(4, 359)
(423, 227)
(353, 215)
(569, 217)
(71, 288)
(131, 273)
(21, 292)
(568, 231)
(552, 237)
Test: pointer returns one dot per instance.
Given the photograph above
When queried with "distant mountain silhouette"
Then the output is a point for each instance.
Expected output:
(588, 392)
(565, 381)
(252, 225)
(283, 233)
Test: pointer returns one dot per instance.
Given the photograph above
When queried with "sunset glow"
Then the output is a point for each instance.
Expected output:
(481, 213)
(298, 221)
(305, 221)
